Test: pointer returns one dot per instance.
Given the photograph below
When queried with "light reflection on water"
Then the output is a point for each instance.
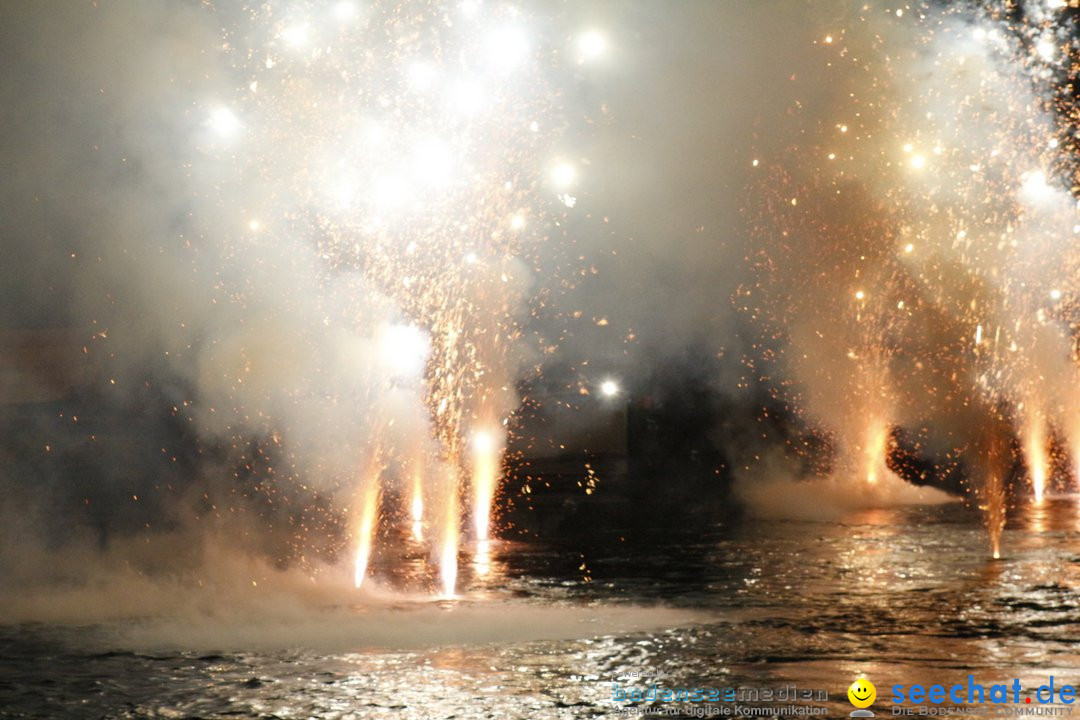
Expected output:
(904, 596)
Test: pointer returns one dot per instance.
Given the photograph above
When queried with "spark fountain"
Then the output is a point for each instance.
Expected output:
(1035, 452)
(931, 199)
(994, 456)
(485, 475)
(365, 529)
(875, 450)
(448, 537)
(416, 506)
(420, 139)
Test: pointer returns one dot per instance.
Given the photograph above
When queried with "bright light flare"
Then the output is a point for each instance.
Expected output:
(466, 97)
(591, 45)
(1046, 49)
(345, 11)
(403, 349)
(391, 192)
(563, 175)
(1034, 188)
(507, 47)
(609, 388)
(483, 442)
(296, 36)
(433, 162)
(224, 122)
(422, 75)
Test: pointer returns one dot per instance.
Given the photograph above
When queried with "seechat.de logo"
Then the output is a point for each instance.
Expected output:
(862, 694)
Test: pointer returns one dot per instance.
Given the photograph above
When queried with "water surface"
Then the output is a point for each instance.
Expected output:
(905, 595)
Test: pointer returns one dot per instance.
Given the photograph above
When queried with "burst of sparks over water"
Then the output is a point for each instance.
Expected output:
(937, 201)
(418, 138)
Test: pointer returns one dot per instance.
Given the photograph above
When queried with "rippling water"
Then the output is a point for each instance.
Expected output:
(902, 595)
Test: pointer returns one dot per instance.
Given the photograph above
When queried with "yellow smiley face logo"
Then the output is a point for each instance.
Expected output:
(862, 693)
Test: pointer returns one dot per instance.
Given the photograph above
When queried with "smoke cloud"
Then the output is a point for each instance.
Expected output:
(853, 214)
